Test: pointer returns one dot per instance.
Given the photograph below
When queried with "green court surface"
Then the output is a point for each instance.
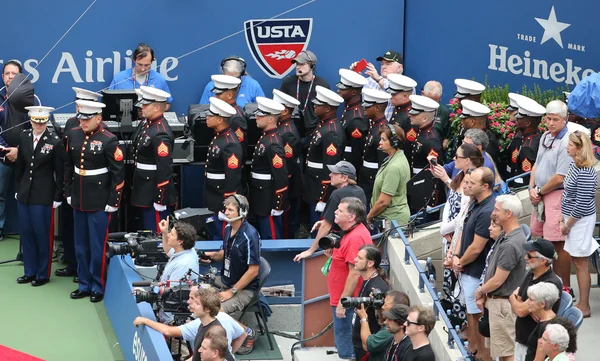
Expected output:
(262, 351)
(45, 322)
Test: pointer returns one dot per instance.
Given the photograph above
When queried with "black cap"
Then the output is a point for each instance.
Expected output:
(397, 313)
(544, 247)
(391, 55)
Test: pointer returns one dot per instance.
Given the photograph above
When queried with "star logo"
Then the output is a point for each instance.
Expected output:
(552, 28)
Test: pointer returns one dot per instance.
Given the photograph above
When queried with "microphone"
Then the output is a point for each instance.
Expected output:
(141, 284)
(223, 217)
(300, 72)
(117, 235)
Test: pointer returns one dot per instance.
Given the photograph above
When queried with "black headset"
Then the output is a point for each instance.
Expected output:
(394, 141)
(242, 61)
(242, 208)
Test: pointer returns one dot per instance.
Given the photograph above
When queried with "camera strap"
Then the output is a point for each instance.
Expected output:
(364, 285)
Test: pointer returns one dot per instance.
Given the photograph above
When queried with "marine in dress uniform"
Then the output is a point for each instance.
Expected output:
(504, 162)
(474, 115)
(65, 210)
(39, 175)
(291, 145)
(269, 175)
(153, 189)
(374, 102)
(353, 118)
(94, 181)
(465, 90)
(425, 144)
(401, 87)
(524, 146)
(223, 176)
(325, 147)
(226, 89)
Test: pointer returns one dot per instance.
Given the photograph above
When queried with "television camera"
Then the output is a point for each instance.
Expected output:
(144, 246)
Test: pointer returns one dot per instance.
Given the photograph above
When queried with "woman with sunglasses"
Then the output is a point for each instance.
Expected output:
(579, 213)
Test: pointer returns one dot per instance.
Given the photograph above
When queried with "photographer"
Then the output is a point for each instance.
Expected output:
(395, 323)
(374, 280)
(205, 305)
(178, 244)
(342, 277)
(377, 344)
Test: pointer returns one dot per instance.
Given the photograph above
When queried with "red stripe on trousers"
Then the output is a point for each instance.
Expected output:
(286, 228)
(157, 219)
(272, 224)
(51, 241)
(104, 258)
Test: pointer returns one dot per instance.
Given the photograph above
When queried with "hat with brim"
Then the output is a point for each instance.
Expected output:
(391, 55)
(343, 167)
(39, 114)
(88, 109)
(223, 83)
(397, 313)
(473, 109)
(544, 247)
(465, 88)
(421, 103)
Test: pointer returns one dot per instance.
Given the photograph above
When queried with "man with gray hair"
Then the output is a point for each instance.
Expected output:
(538, 257)
(249, 88)
(478, 138)
(433, 90)
(554, 342)
(504, 272)
(546, 185)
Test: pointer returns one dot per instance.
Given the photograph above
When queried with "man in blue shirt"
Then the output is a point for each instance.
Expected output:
(141, 73)
(249, 88)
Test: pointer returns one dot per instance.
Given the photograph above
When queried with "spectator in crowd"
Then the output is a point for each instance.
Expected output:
(389, 189)
(342, 277)
(395, 324)
(214, 346)
(433, 89)
(367, 263)
(478, 138)
(541, 298)
(378, 344)
(503, 274)
(571, 330)
(538, 257)
(249, 88)
(546, 185)
(419, 323)
(554, 343)
(578, 208)
(141, 73)
(474, 246)
(302, 86)
(391, 63)
(343, 178)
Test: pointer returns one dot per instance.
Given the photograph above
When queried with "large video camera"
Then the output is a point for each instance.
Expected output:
(330, 240)
(144, 246)
(376, 300)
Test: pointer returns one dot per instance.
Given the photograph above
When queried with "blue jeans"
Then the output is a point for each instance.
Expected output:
(342, 334)
(6, 176)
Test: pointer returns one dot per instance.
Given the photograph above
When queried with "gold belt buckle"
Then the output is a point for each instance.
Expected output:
(82, 172)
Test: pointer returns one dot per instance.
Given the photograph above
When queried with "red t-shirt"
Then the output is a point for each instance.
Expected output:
(341, 258)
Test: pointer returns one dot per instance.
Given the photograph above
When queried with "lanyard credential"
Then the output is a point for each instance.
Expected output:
(307, 94)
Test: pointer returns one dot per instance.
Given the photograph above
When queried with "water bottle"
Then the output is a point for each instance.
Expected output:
(432, 282)
(469, 355)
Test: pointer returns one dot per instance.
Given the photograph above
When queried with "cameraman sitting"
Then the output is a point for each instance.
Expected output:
(374, 280)
(178, 244)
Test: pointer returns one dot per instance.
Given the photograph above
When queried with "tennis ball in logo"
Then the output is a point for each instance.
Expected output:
(290, 54)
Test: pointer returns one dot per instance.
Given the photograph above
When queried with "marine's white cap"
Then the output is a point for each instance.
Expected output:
(374, 96)
(529, 108)
(84, 94)
(224, 83)
(284, 99)
(473, 109)
(151, 95)
(268, 106)
(88, 108)
(220, 108)
(39, 114)
(327, 96)
(421, 104)
(400, 83)
(513, 100)
(466, 87)
(350, 79)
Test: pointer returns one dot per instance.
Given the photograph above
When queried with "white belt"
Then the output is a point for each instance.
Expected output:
(215, 176)
(260, 176)
(145, 166)
(417, 170)
(370, 165)
(88, 172)
(348, 149)
(314, 165)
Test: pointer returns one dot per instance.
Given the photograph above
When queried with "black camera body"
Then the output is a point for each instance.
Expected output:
(171, 299)
(376, 300)
(144, 247)
(331, 240)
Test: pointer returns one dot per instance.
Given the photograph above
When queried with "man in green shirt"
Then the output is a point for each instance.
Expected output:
(377, 344)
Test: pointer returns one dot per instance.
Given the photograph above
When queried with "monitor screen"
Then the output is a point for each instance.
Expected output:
(119, 103)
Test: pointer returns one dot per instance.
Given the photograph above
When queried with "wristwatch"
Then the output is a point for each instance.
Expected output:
(234, 290)
(538, 190)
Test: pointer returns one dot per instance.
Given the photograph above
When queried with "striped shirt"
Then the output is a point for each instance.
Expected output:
(580, 189)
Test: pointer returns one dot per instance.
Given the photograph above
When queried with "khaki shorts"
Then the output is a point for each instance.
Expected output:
(237, 302)
(550, 229)
(502, 327)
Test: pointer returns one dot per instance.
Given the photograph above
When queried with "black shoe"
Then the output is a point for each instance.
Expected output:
(77, 294)
(96, 297)
(65, 272)
(25, 279)
(39, 282)
(76, 279)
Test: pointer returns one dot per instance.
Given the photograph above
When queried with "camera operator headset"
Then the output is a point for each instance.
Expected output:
(240, 254)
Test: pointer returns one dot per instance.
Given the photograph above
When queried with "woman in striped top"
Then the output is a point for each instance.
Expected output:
(579, 212)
